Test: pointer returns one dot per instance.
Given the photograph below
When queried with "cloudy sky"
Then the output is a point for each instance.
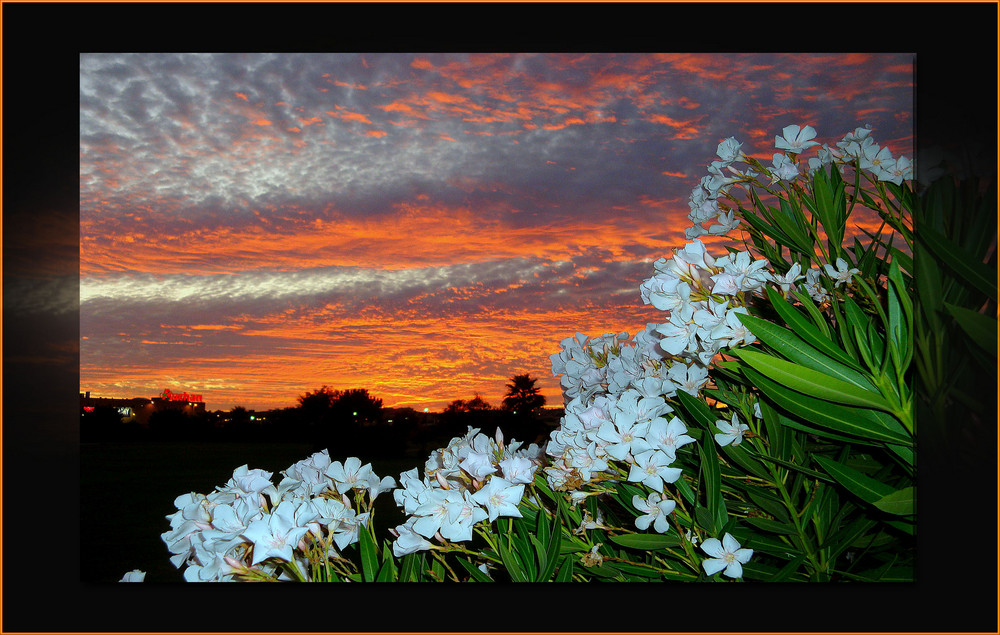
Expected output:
(425, 226)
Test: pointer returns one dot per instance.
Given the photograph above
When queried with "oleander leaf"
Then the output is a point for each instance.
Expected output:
(812, 382)
(862, 425)
(899, 502)
(793, 348)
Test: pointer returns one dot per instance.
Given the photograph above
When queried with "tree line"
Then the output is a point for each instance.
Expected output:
(345, 421)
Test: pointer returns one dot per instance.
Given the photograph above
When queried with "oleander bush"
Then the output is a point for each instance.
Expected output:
(762, 430)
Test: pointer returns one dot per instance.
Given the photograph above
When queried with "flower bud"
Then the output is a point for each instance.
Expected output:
(441, 480)
(238, 566)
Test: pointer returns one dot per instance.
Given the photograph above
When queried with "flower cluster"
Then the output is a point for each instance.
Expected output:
(707, 202)
(629, 427)
(252, 528)
(712, 201)
(618, 424)
(703, 295)
(616, 388)
(472, 479)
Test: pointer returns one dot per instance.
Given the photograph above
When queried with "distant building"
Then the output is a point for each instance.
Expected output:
(140, 409)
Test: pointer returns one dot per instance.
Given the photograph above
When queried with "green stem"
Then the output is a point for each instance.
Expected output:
(693, 560)
(794, 513)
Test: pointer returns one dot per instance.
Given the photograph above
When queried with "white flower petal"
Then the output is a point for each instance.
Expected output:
(713, 565)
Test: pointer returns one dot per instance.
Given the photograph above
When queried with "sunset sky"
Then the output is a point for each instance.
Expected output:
(421, 225)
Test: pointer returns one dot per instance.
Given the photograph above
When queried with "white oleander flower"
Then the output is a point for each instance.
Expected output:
(500, 497)
(655, 511)
(731, 432)
(795, 139)
(727, 556)
(782, 168)
(652, 469)
(842, 273)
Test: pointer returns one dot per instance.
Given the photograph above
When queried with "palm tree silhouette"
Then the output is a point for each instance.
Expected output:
(523, 396)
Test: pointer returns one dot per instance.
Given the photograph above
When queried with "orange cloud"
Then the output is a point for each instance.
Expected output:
(684, 129)
(347, 115)
(423, 234)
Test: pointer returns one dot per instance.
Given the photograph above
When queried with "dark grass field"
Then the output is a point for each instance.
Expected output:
(127, 489)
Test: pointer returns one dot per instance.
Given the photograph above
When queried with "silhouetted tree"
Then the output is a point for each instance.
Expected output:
(315, 406)
(358, 407)
(337, 416)
(523, 396)
(523, 406)
(460, 414)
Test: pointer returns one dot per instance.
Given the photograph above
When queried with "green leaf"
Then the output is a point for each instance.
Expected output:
(885, 573)
(388, 571)
(698, 410)
(864, 487)
(522, 545)
(772, 526)
(981, 329)
(712, 479)
(369, 556)
(809, 305)
(792, 222)
(473, 570)
(786, 571)
(646, 542)
(604, 570)
(795, 466)
(738, 455)
(826, 209)
(862, 425)
(812, 382)
(541, 527)
(635, 570)
(410, 567)
(793, 348)
(565, 573)
(964, 265)
(809, 332)
(842, 539)
(755, 218)
(769, 503)
(899, 502)
(513, 565)
(438, 572)
(551, 551)
(540, 555)
(685, 489)
(904, 260)
(705, 519)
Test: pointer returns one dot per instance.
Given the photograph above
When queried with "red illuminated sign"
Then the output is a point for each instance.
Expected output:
(172, 396)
